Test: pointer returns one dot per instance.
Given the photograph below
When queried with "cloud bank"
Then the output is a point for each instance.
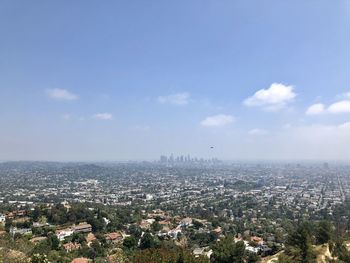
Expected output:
(338, 107)
(276, 97)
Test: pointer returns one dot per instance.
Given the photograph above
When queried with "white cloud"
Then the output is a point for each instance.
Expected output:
(103, 116)
(217, 120)
(176, 99)
(340, 107)
(258, 132)
(273, 98)
(61, 94)
(315, 109)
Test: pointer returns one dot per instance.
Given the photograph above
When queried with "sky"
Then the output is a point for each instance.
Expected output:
(130, 80)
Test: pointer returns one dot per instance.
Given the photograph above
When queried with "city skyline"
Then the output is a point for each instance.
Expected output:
(126, 81)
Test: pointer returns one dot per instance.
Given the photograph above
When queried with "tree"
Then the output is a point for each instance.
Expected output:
(238, 252)
(78, 238)
(54, 242)
(114, 225)
(147, 241)
(37, 258)
(135, 231)
(42, 220)
(341, 252)
(324, 232)
(299, 245)
(284, 259)
(130, 242)
(54, 256)
(156, 226)
(42, 247)
(227, 251)
(161, 255)
(96, 223)
(96, 246)
(197, 224)
(252, 257)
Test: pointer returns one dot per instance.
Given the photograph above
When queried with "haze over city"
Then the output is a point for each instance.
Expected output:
(234, 80)
(175, 131)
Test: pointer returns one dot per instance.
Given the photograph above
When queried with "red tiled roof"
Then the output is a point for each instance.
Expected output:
(113, 236)
(80, 260)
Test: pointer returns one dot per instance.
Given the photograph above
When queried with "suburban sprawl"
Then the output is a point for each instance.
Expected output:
(178, 209)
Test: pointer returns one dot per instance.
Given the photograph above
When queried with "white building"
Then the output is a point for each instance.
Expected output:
(21, 231)
(62, 234)
(2, 219)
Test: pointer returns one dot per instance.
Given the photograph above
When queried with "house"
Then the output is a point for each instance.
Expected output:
(38, 224)
(89, 238)
(186, 222)
(2, 219)
(80, 260)
(12, 215)
(20, 231)
(82, 228)
(63, 233)
(198, 251)
(66, 205)
(174, 232)
(36, 240)
(114, 237)
(71, 246)
(22, 219)
(250, 248)
(257, 240)
(146, 224)
(203, 251)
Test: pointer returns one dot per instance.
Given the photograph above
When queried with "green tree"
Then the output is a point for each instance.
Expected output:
(252, 257)
(197, 224)
(38, 258)
(238, 252)
(156, 226)
(299, 245)
(284, 259)
(135, 231)
(78, 238)
(96, 246)
(227, 251)
(53, 242)
(324, 232)
(147, 241)
(43, 247)
(130, 242)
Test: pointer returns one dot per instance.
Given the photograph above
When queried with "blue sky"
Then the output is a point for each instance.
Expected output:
(119, 80)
